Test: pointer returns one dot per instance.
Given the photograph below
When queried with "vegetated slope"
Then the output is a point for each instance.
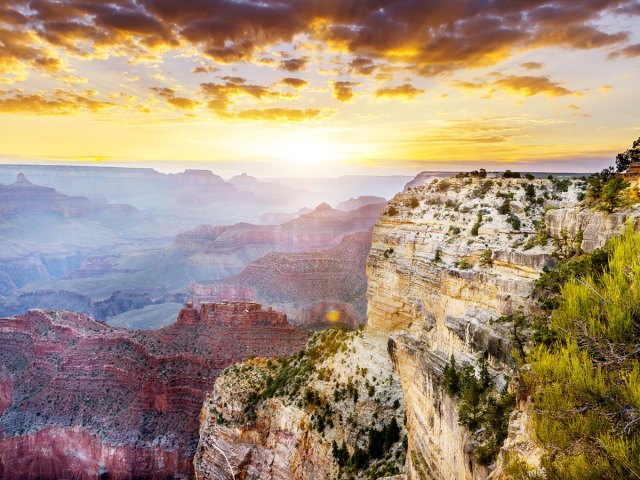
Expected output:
(325, 286)
(333, 411)
(79, 399)
(451, 261)
(584, 370)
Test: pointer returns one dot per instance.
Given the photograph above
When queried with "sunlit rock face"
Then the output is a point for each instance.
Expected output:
(434, 290)
(592, 228)
(79, 399)
(278, 438)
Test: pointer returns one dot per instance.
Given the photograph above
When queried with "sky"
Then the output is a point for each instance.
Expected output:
(320, 87)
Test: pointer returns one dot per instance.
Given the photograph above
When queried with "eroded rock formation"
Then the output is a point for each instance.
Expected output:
(322, 287)
(302, 417)
(79, 399)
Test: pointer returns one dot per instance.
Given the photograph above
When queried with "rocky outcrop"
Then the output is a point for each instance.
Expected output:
(444, 263)
(322, 228)
(591, 229)
(362, 201)
(79, 399)
(303, 417)
(312, 288)
(24, 198)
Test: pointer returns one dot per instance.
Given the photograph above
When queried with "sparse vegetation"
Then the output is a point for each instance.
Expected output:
(481, 408)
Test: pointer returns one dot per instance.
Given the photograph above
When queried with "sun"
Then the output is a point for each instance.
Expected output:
(307, 149)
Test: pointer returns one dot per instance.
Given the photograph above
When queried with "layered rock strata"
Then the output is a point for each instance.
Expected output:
(80, 399)
(285, 420)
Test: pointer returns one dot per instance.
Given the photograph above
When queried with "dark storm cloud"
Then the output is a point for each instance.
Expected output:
(433, 36)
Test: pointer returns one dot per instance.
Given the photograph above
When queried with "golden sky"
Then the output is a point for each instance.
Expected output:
(325, 87)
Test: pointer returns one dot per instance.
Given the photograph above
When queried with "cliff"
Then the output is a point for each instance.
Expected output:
(449, 258)
(79, 399)
(309, 285)
(310, 416)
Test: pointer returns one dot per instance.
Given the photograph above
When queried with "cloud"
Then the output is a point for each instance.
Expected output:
(406, 91)
(297, 83)
(433, 38)
(532, 65)
(222, 95)
(279, 114)
(525, 85)
(529, 85)
(362, 66)
(343, 90)
(205, 69)
(293, 64)
(185, 103)
(630, 51)
(60, 103)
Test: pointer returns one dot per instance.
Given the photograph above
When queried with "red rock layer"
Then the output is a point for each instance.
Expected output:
(79, 399)
(309, 285)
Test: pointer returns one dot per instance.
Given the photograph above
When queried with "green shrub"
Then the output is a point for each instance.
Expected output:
(486, 258)
(505, 207)
(510, 174)
(514, 221)
(586, 381)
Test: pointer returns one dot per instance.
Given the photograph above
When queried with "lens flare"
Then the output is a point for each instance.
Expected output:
(333, 315)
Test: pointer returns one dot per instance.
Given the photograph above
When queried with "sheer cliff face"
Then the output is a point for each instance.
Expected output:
(438, 273)
(79, 399)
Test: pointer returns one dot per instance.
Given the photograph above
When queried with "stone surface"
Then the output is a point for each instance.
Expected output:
(429, 291)
(282, 442)
(79, 398)
(311, 286)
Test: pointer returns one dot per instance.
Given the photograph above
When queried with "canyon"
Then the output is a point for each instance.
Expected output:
(81, 399)
(449, 258)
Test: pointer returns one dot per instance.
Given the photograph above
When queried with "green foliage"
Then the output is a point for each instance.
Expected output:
(414, 202)
(388, 252)
(481, 409)
(464, 264)
(530, 192)
(443, 186)
(514, 221)
(486, 258)
(451, 378)
(483, 188)
(610, 197)
(482, 173)
(510, 174)
(392, 211)
(505, 208)
(528, 176)
(624, 159)
(476, 226)
(586, 382)
(437, 257)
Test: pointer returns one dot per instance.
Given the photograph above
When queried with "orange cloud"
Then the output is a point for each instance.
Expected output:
(406, 91)
(532, 65)
(343, 90)
(185, 103)
(61, 103)
(525, 85)
(297, 83)
(278, 114)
